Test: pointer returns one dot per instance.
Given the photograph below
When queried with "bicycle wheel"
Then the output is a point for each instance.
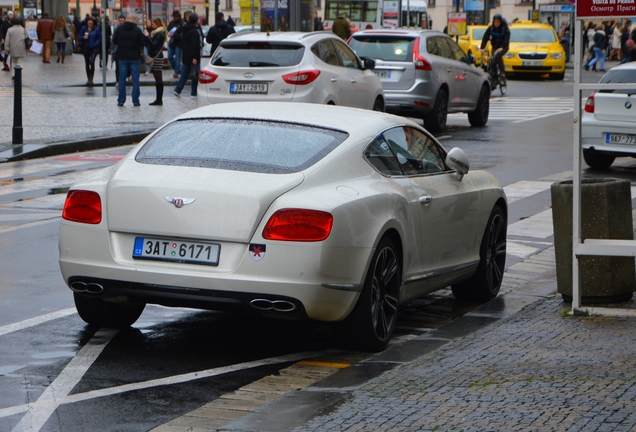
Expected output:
(503, 85)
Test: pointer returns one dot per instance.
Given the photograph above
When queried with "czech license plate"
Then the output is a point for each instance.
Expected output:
(382, 73)
(620, 139)
(533, 63)
(236, 88)
(177, 251)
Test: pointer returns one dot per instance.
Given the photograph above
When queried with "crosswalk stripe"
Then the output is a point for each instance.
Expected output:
(524, 109)
(524, 189)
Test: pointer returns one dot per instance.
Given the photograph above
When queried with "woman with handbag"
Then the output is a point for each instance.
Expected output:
(91, 41)
(15, 43)
(60, 36)
(154, 60)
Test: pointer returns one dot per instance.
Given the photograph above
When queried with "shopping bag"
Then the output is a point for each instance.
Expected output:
(36, 47)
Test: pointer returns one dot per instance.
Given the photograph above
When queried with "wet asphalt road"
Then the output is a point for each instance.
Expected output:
(145, 376)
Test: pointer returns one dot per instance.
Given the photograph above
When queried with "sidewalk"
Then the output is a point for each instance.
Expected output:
(57, 107)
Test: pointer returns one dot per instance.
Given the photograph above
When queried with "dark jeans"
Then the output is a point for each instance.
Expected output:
(132, 68)
(497, 65)
(89, 60)
(185, 72)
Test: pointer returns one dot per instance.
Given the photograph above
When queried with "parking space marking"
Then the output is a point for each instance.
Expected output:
(37, 413)
(36, 321)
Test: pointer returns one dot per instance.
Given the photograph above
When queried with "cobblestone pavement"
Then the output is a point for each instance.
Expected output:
(538, 370)
(57, 106)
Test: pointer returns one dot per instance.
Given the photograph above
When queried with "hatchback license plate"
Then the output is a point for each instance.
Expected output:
(176, 251)
(383, 73)
(236, 88)
(620, 139)
(533, 63)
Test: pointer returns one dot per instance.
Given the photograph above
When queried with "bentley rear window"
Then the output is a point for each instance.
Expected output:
(240, 145)
(258, 54)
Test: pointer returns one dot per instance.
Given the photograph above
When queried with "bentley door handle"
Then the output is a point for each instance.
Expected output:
(333, 80)
(353, 81)
(425, 199)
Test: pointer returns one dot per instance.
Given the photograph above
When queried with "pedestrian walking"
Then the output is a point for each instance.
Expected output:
(4, 28)
(77, 26)
(154, 41)
(341, 27)
(14, 43)
(599, 51)
(130, 44)
(91, 43)
(174, 43)
(60, 36)
(318, 22)
(190, 55)
(45, 35)
(218, 32)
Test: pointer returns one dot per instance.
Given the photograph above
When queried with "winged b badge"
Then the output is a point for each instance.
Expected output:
(179, 201)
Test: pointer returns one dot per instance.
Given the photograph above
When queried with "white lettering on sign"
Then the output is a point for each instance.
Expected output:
(622, 8)
(600, 2)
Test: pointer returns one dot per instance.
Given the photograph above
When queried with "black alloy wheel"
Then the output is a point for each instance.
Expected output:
(435, 121)
(479, 117)
(486, 282)
(371, 323)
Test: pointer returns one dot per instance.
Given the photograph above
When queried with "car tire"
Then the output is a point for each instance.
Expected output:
(597, 160)
(485, 283)
(479, 117)
(370, 325)
(435, 121)
(557, 77)
(107, 314)
(378, 105)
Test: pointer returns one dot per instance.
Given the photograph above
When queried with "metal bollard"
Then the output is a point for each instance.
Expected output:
(17, 106)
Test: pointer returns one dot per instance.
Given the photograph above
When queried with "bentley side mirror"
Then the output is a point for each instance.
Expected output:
(457, 160)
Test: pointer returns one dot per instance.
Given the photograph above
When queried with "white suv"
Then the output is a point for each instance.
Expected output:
(313, 67)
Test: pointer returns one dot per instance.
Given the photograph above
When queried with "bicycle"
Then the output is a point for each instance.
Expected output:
(501, 81)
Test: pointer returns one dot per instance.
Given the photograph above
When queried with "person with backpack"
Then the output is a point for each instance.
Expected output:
(218, 32)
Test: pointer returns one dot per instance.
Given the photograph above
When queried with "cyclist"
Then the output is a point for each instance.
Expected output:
(498, 34)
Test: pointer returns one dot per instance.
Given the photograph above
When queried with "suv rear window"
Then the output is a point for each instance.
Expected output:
(624, 76)
(258, 54)
(240, 145)
(383, 47)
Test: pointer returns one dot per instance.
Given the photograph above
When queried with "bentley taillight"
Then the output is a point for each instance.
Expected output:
(83, 206)
(298, 225)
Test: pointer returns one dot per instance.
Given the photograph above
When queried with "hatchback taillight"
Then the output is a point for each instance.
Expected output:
(420, 62)
(589, 104)
(301, 78)
(298, 225)
(207, 77)
(83, 206)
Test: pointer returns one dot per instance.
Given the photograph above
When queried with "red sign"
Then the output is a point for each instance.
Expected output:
(605, 8)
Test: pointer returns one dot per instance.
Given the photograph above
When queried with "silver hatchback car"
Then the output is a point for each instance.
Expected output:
(425, 74)
(313, 67)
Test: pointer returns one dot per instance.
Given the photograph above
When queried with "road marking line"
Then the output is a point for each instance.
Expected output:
(177, 379)
(536, 226)
(37, 413)
(545, 115)
(28, 225)
(36, 321)
(324, 364)
(524, 189)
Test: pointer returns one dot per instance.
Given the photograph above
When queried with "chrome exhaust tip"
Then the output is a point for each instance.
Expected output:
(89, 288)
(273, 305)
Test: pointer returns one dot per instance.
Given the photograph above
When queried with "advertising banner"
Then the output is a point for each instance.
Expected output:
(456, 24)
(390, 14)
(605, 8)
(474, 5)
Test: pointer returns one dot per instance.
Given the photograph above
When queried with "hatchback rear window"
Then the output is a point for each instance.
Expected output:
(532, 35)
(240, 145)
(258, 54)
(383, 47)
(624, 76)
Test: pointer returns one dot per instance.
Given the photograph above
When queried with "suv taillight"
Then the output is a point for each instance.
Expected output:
(207, 77)
(298, 225)
(420, 62)
(301, 78)
(83, 206)
(589, 104)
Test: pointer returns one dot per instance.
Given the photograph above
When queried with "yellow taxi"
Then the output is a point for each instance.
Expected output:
(535, 49)
(471, 41)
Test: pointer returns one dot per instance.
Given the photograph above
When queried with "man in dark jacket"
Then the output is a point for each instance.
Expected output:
(174, 42)
(130, 44)
(190, 55)
(499, 36)
(218, 32)
(4, 27)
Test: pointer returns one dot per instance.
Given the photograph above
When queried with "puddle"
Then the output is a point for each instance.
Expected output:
(7, 370)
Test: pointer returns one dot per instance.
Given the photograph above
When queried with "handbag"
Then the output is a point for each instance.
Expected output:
(28, 43)
(150, 61)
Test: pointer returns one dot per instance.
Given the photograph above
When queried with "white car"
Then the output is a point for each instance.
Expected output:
(287, 210)
(289, 67)
(608, 121)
